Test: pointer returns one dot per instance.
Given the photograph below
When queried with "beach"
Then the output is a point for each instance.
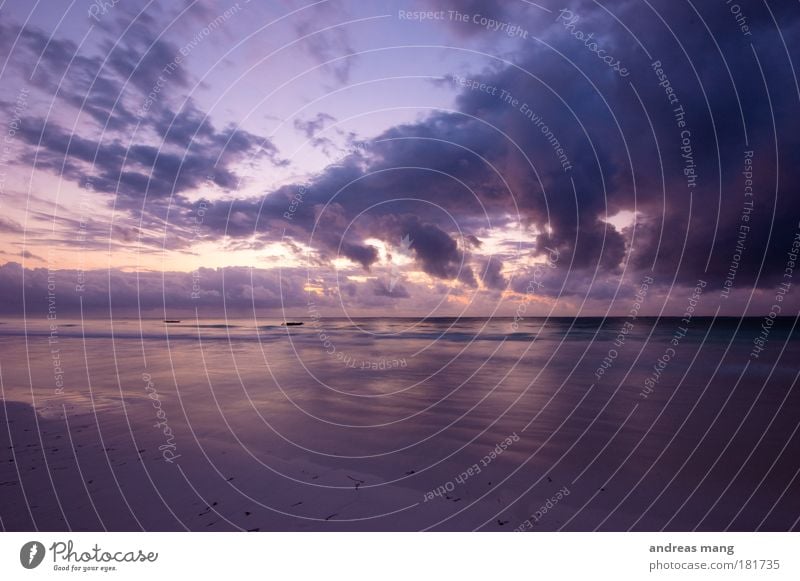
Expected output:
(399, 424)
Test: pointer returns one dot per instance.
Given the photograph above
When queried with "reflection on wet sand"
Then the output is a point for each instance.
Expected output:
(245, 425)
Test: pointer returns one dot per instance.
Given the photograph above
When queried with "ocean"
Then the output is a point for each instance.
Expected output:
(398, 424)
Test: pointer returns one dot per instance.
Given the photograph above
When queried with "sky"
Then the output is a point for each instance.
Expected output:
(421, 158)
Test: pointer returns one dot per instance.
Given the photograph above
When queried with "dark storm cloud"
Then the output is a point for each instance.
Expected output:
(377, 192)
(363, 255)
(436, 252)
(476, 164)
(708, 217)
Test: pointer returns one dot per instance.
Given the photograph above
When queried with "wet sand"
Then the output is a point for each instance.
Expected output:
(224, 429)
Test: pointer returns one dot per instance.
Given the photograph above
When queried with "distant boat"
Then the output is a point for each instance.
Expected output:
(292, 323)
(172, 320)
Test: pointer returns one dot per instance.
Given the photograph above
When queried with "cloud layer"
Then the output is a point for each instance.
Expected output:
(544, 148)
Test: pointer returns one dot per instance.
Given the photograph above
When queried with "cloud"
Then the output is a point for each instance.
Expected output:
(327, 45)
(30, 255)
(103, 291)
(493, 9)
(10, 226)
(454, 179)
(313, 126)
(381, 289)
(492, 276)
(495, 160)
(175, 146)
(140, 170)
(436, 251)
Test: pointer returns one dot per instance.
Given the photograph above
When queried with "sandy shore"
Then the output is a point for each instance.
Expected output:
(207, 437)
